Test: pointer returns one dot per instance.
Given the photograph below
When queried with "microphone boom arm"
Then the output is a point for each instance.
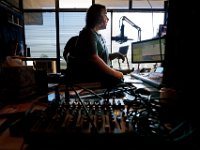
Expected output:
(124, 18)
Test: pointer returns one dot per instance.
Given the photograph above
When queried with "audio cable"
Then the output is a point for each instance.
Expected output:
(87, 113)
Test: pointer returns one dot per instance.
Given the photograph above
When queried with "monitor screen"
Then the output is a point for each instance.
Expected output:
(148, 51)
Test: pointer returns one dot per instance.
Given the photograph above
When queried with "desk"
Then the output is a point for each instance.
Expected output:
(13, 114)
(120, 127)
(47, 64)
(8, 142)
(156, 82)
(138, 83)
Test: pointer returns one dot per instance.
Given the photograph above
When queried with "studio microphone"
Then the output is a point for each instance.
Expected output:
(121, 38)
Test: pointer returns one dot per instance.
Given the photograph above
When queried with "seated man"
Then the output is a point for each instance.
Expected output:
(89, 61)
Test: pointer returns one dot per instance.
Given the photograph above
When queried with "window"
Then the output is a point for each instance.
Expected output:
(40, 34)
(39, 4)
(148, 22)
(40, 25)
(74, 3)
(116, 4)
(70, 25)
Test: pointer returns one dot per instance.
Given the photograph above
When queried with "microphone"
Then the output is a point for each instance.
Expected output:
(121, 38)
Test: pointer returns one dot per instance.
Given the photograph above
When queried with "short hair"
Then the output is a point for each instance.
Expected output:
(93, 15)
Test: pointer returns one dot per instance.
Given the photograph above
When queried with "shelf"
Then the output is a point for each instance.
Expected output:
(15, 24)
(13, 15)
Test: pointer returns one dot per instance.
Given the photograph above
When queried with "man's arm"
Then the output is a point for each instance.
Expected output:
(104, 67)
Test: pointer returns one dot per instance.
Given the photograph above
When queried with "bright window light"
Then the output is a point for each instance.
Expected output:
(75, 3)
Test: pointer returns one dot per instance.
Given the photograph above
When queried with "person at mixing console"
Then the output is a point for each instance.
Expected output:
(90, 61)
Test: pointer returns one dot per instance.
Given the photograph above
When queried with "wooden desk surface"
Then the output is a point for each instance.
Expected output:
(7, 140)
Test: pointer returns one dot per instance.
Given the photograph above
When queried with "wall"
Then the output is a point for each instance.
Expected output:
(181, 60)
(11, 28)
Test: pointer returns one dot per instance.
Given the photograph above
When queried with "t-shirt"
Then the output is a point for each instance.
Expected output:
(102, 48)
(79, 65)
(88, 43)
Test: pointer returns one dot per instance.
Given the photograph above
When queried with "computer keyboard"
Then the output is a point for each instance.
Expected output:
(130, 79)
(151, 79)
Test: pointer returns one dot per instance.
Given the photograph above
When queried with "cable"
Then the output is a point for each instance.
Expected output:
(88, 115)
(91, 91)
(22, 145)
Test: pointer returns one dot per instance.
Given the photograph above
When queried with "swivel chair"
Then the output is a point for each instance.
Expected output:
(123, 50)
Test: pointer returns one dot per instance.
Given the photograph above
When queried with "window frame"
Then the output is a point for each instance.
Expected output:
(57, 10)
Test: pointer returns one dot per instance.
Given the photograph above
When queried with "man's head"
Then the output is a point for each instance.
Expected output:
(97, 16)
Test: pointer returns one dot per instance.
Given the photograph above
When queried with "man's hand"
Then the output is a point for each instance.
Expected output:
(121, 56)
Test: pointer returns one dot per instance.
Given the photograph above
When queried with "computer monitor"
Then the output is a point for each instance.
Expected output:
(148, 51)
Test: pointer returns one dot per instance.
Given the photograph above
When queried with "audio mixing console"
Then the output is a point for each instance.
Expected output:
(93, 119)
